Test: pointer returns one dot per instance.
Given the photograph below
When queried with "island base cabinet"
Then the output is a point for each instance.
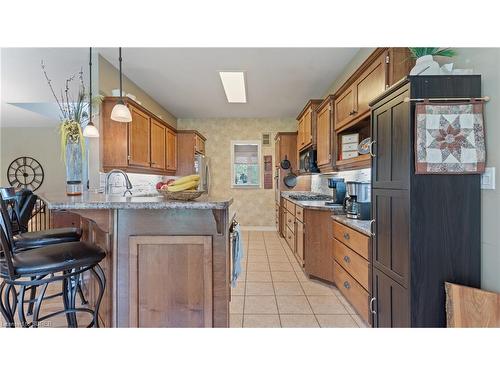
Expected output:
(170, 281)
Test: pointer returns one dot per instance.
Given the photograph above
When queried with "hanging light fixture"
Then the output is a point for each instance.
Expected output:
(120, 111)
(90, 131)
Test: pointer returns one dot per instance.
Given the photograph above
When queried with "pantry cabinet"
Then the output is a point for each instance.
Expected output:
(144, 145)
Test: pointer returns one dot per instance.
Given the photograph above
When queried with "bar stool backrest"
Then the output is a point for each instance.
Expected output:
(5, 239)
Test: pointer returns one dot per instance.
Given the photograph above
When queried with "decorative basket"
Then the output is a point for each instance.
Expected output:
(185, 195)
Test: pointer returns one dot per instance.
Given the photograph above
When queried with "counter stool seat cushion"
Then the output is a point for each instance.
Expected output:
(54, 258)
(46, 237)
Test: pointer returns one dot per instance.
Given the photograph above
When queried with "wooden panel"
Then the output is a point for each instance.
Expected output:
(358, 242)
(400, 64)
(290, 206)
(344, 107)
(114, 139)
(391, 243)
(64, 219)
(369, 85)
(391, 302)
(307, 128)
(471, 308)
(290, 221)
(300, 134)
(352, 262)
(299, 242)
(290, 238)
(317, 244)
(139, 138)
(299, 213)
(158, 145)
(324, 135)
(352, 291)
(172, 150)
(170, 281)
(391, 131)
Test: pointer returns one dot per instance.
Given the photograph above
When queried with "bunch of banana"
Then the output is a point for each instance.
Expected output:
(184, 183)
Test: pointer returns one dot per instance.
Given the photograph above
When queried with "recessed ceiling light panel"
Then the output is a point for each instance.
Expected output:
(234, 86)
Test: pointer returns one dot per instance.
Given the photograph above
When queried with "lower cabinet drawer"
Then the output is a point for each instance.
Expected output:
(360, 243)
(352, 262)
(352, 291)
(290, 221)
(299, 213)
(290, 206)
(290, 238)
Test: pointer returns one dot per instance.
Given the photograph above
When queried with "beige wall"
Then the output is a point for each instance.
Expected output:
(41, 143)
(108, 80)
(254, 207)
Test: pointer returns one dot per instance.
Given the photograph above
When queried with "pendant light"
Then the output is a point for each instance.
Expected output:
(120, 111)
(90, 131)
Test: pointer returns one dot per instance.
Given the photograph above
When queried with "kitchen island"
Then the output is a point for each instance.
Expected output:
(167, 263)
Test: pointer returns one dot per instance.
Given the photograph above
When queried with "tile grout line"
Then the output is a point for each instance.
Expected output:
(274, 289)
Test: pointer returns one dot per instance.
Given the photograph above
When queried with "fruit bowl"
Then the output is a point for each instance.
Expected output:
(185, 195)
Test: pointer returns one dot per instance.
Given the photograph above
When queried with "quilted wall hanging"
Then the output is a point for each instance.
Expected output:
(450, 138)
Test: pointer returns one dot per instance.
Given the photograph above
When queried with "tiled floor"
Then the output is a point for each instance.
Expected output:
(273, 291)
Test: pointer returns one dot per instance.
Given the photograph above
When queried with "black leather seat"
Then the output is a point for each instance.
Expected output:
(54, 258)
(46, 237)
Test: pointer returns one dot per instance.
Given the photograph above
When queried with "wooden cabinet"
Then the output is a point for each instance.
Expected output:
(139, 138)
(325, 135)
(390, 302)
(189, 144)
(299, 241)
(158, 145)
(141, 146)
(306, 136)
(344, 107)
(285, 146)
(171, 144)
(181, 268)
(199, 144)
(64, 219)
(317, 244)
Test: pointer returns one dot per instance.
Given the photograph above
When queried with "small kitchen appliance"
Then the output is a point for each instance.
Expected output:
(338, 191)
(357, 203)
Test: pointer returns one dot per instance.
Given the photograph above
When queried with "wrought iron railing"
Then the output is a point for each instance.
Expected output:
(40, 217)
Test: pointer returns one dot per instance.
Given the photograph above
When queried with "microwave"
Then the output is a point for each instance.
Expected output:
(308, 162)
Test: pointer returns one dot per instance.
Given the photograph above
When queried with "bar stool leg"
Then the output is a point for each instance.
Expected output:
(38, 304)
(5, 306)
(32, 297)
(98, 273)
(20, 306)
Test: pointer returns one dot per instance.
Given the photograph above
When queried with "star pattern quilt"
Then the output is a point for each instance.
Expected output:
(449, 138)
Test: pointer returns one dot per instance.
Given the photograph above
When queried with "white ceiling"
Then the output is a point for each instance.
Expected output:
(186, 81)
(183, 80)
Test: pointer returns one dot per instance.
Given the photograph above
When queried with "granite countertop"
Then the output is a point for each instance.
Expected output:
(96, 201)
(312, 205)
(362, 226)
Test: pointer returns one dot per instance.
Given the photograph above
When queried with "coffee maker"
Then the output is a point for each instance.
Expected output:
(357, 203)
(338, 191)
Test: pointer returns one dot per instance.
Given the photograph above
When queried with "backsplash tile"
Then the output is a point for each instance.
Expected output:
(319, 182)
(142, 183)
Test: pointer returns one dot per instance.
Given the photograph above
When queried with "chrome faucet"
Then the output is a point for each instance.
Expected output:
(128, 184)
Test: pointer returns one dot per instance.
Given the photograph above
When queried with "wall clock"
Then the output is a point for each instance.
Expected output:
(25, 172)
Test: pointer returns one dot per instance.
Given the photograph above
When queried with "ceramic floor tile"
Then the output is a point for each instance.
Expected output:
(316, 288)
(360, 322)
(293, 305)
(278, 258)
(347, 305)
(262, 266)
(257, 259)
(236, 305)
(336, 321)
(260, 305)
(301, 275)
(284, 276)
(281, 266)
(292, 288)
(261, 321)
(257, 252)
(259, 276)
(298, 321)
(259, 289)
(326, 305)
(239, 290)
(235, 320)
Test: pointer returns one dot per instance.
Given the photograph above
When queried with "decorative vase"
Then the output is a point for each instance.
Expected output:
(425, 66)
(74, 168)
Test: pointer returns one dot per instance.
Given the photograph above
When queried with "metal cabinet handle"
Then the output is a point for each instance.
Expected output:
(347, 259)
(371, 226)
(347, 285)
(372, 310)
(371, 149)
(346, 236)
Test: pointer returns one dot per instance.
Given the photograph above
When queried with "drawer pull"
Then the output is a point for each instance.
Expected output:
(347, 285)
(372, 310)
(347, 259)
(346, 236)
(289, 220)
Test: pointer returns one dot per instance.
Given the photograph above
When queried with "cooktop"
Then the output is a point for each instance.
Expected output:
(310, 197)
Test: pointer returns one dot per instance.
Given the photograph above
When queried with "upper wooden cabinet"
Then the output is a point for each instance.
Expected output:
(199, 144)
(325, 135)
(145, 145)
(189, 143)
(306, 136)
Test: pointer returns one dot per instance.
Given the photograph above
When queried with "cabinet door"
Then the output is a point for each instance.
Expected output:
(391, 133)
(324, 135)
(171, 150)
(400, 63)
(158, 145)
(344, 108)
(181, 268)
(199, 145)
(299, 241)
(317, 244)
(391, 243)
(139, 139)
(300, 134)
(390, 302)
(369, 86)
(307, 128)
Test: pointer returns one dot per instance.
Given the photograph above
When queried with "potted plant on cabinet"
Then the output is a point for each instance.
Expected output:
(425, 64)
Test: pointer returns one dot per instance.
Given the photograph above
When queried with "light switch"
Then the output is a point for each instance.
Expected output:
(488, 179)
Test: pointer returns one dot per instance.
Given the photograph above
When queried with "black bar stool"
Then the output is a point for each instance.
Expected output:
(41, 266)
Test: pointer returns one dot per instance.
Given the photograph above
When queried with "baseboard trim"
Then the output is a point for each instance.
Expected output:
(254, 228)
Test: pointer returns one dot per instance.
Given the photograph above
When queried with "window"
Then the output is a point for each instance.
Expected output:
(245, 159)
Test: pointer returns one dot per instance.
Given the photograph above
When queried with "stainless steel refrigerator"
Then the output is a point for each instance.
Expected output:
(202, 167)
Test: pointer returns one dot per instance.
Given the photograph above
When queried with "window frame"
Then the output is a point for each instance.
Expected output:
(259, 164)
